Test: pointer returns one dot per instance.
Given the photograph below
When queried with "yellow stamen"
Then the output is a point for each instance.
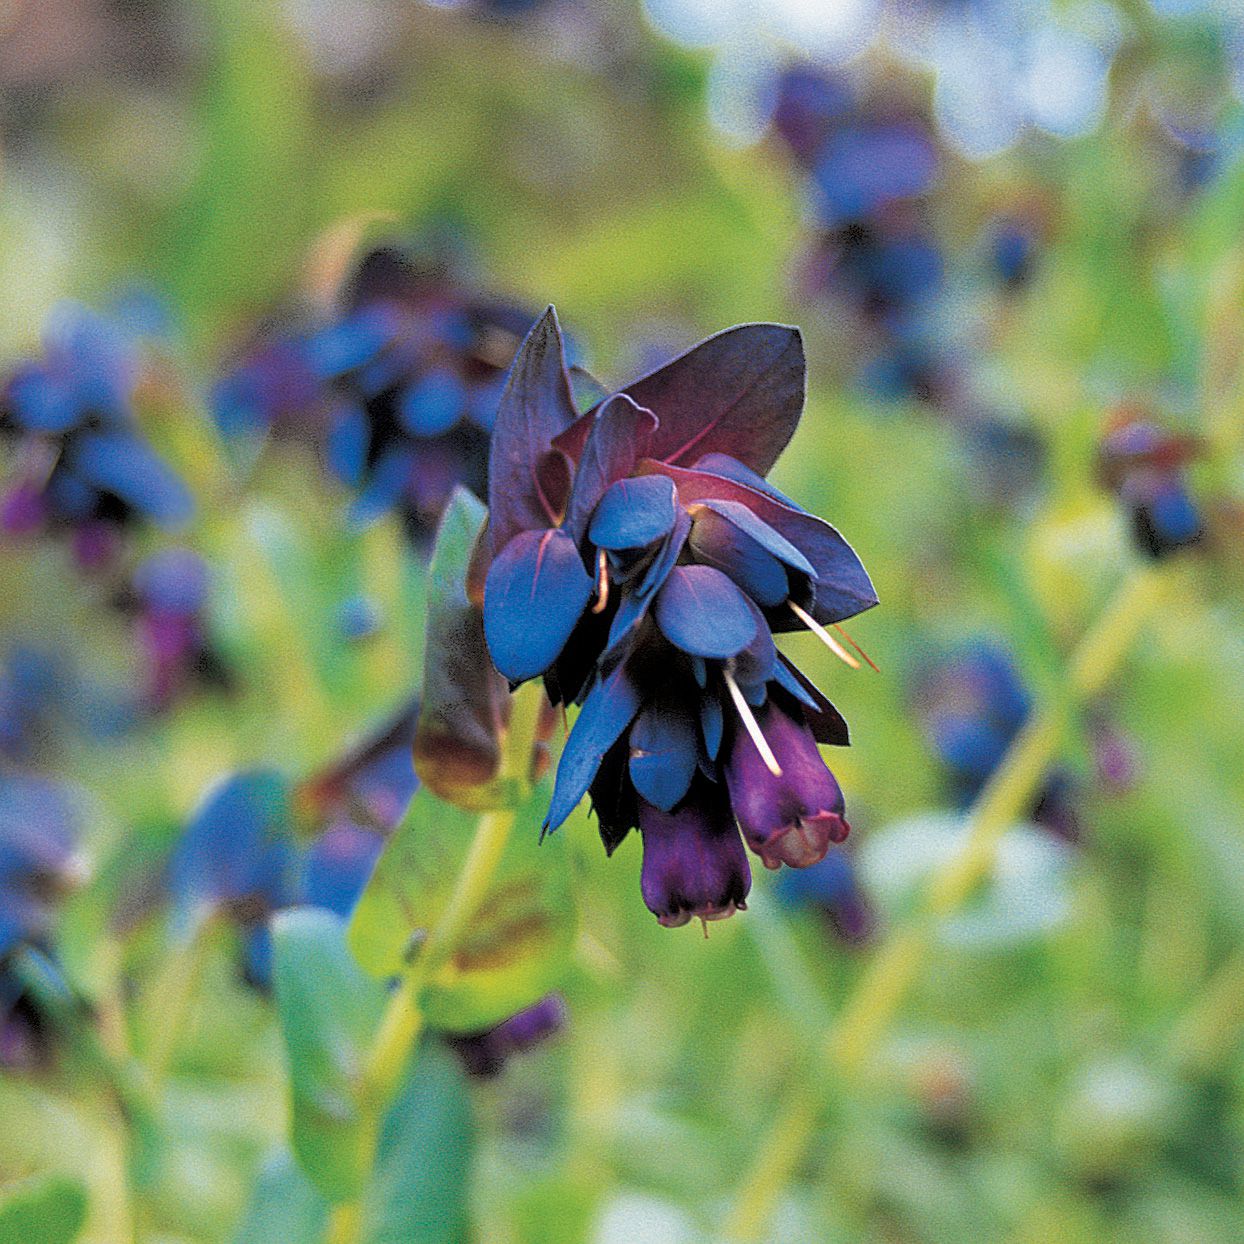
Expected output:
(842, 630)
(752, 725)
(823, 635)
(602, 582)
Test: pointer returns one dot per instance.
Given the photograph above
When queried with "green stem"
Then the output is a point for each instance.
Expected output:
(171, 996)
(402, 1021)
(894, 968)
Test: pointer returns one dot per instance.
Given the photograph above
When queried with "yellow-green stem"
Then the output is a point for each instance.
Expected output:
(169, 1003)
(403, 1019)
(896, 963)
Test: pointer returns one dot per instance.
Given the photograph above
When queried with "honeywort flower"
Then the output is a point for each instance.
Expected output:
(641, 566)
(399, 383)
(1144, 466)
(83, 464)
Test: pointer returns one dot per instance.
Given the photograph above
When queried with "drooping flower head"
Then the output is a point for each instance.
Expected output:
(83, 464)
(398, 384)
(1143, 465)
(641, 566)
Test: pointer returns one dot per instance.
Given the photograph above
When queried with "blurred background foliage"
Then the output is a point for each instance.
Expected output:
(1006, 230)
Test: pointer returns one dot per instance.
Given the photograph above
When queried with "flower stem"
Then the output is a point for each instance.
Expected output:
(389, 1056)
(893, 969)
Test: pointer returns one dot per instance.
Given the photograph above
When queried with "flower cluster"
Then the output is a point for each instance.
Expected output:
(1143, 465)
(870, 165)
(82, 463)
(399, 386)
(642, 565)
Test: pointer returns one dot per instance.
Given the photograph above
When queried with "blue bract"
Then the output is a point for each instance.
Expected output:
(641, 565)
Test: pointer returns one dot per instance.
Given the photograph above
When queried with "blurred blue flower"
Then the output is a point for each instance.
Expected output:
(1144, 466)
(972, 706)
(831, 888)
(83, 464)
(399, 387)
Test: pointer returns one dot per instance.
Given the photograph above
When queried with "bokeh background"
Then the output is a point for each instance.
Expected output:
(1013, 235)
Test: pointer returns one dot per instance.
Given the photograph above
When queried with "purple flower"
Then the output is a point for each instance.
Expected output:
(642, 565)
(485, 1053)
(790, 818)
(83, 463)
(398, 385)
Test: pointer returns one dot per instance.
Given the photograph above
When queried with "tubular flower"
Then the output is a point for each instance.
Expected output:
(641, 566)
(83, 463)
(399, 385)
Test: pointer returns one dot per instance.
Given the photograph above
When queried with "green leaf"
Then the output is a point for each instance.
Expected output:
(49, 1210)
(285, 1206)
(418, 1194)
(466, 703)
(515, 947)
(329, 1012)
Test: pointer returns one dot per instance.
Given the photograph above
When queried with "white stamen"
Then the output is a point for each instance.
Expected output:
(823, 635)
(602, 582)
(751, 725)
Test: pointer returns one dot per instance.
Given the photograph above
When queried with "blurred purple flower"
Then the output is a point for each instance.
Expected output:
(484, 1054)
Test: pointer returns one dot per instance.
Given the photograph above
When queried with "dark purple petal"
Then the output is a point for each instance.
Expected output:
(610, 707)
(634, 513)
(827, 724)
(702, 612)
(485, 1053)
(726, 467)
(620, 436)
(534, 408)
(535, 592)
(663, 754)
(740, 392)
(694, 862)
(843, 587)
(792, 818)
